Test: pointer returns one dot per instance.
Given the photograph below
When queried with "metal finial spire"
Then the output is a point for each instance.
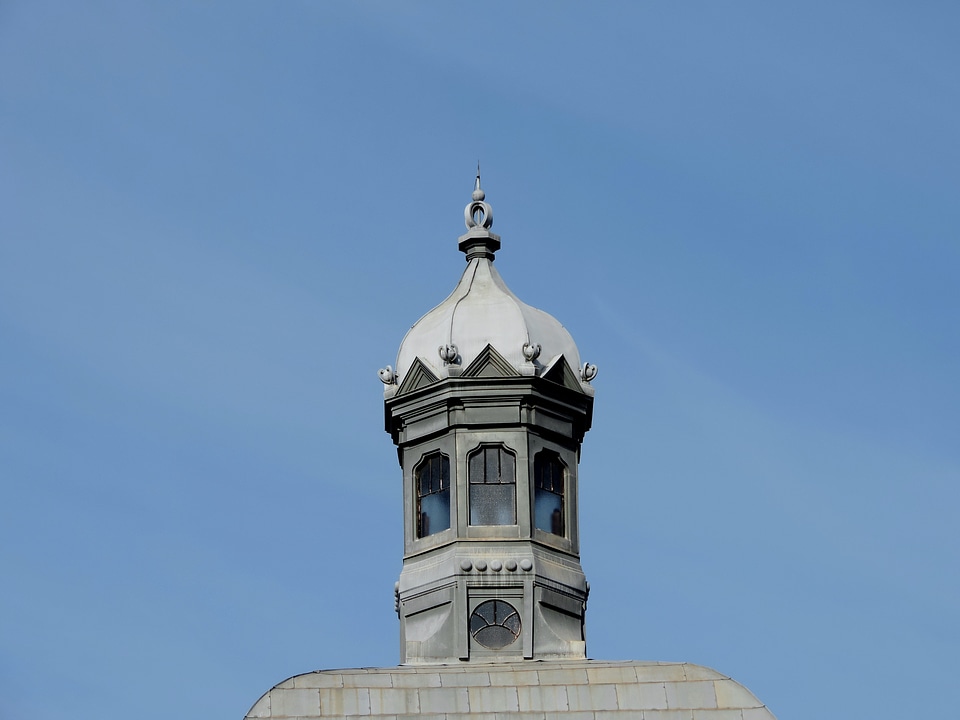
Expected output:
(478, 193)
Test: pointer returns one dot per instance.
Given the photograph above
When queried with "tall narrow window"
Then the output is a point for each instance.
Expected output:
(432, 480)
(548, 492)
(493, 487)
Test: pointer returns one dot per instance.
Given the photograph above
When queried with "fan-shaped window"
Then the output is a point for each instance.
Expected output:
(432, 480)
(493, 487)
(548, 492)
(495, 624)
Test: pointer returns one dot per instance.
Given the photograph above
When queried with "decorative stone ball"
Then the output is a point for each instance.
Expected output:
(496, 566)
(511, 565)
(466, 565)
(481, 565)
(526, 565)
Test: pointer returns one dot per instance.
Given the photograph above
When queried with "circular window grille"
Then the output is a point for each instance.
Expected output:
(495, 624)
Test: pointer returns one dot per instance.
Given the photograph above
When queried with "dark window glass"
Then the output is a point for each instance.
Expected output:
(432, 478)
(493, 487)
(548, 493)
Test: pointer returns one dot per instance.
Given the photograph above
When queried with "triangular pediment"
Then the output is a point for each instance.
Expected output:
(560, 372)
(489, 363)
(418, 376)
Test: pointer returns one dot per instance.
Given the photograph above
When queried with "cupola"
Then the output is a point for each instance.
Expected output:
(488, 406)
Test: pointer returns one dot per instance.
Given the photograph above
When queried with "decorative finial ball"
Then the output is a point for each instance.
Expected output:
(479, 195)
(387, 375)
(588, 372)
(448, 353)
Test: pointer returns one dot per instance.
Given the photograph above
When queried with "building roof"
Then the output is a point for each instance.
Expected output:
(581, 690)
(480, 311)
(483, 311)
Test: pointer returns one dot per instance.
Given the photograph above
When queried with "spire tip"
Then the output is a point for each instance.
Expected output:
(478, 193)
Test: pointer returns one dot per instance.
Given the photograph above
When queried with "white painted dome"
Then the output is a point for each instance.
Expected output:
(480, 311)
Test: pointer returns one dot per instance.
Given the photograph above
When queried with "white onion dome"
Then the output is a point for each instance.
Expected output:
(483, 311)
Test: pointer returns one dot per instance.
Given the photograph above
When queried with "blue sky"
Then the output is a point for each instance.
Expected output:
(219, 219)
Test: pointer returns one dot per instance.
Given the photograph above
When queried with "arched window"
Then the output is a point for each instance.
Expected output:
(548, 492)
(493, 487)
(432, 480)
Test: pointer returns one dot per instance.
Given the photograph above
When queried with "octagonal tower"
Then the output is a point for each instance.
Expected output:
(488, 406)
